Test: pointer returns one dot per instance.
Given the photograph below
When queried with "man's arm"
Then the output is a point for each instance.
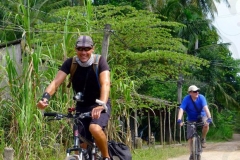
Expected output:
(207, 111)
(180, 113)
(53, 86)
(51, 89)
(105, 85)
(104, 79)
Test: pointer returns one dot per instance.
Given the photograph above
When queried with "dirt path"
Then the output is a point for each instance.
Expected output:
(219, 151)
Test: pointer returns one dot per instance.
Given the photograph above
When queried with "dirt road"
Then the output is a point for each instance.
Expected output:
(219, 151)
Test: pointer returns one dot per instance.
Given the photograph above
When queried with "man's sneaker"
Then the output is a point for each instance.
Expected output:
(191, 157)
(203, 143)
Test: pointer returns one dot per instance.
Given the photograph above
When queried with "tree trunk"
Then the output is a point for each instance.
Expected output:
(161, 127)
(169, 126)
(149, 127)
(164, 125)
(179, 85)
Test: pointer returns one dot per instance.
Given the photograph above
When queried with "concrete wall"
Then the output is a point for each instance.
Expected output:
(14, 51)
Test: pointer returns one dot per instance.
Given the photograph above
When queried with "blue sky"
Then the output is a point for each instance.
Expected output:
(227, 22)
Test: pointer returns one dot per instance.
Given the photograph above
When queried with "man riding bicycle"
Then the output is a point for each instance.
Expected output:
(195, 105)
(87, 87)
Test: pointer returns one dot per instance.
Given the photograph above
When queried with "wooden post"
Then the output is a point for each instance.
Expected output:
(135, 123)
(152, 141)
(179, 84)
(161, 126)
(56, 150)
(8, 154)
(105, 42)
(149, 127)
(169, 126)
(137, 140)
(164, 125)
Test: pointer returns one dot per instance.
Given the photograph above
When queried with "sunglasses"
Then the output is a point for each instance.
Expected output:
(195, 91)
(84, 48)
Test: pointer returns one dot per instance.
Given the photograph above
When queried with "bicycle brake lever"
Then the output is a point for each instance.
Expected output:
(83, 115)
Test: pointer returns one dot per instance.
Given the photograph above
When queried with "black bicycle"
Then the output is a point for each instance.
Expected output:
(92, 152)
(196, 139)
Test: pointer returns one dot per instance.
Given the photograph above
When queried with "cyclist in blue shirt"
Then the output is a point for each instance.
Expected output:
(195, 105)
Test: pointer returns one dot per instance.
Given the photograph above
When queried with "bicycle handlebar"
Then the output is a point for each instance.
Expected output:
(59, 116)
(50, 114)
(102, 104)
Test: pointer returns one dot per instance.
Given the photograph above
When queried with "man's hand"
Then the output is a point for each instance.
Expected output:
(96, 112)
(179, 121)
(209, 120)
(42, 104)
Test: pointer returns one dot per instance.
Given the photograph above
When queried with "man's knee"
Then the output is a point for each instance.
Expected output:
(95, 128)
(205, 127)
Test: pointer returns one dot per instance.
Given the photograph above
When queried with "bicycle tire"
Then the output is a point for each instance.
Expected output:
(71, 158)
(198, 157)
(199, 148)
(195, 148)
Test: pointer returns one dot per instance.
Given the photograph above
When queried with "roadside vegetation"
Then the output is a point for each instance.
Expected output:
(150, 47)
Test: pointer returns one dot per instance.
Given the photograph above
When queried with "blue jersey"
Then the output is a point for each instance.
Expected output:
(188, 106)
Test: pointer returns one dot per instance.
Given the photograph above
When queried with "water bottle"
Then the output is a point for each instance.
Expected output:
(85, 154)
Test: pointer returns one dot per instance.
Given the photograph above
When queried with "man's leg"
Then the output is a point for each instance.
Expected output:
(204, 132)
(99, 138)
(189, 134)
(190, 145)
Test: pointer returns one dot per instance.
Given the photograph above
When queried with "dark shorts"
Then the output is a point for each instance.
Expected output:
(83, 125)
(189, 129)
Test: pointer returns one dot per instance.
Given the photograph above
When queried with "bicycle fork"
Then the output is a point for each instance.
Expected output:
(76, 147)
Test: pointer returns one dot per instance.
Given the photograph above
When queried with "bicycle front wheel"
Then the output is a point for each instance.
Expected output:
(73, 157)
(195, 149)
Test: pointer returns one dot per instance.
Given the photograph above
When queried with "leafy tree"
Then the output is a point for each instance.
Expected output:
(147, 46)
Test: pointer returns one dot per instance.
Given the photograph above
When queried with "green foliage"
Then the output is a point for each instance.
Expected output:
(162, 64)
(221, 75)
(2, 140)
(160, 89)
(159, 56)
(129, 26)
(224, 122)
(159, 153)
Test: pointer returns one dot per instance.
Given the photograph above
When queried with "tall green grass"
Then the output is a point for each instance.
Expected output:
(159, 153)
